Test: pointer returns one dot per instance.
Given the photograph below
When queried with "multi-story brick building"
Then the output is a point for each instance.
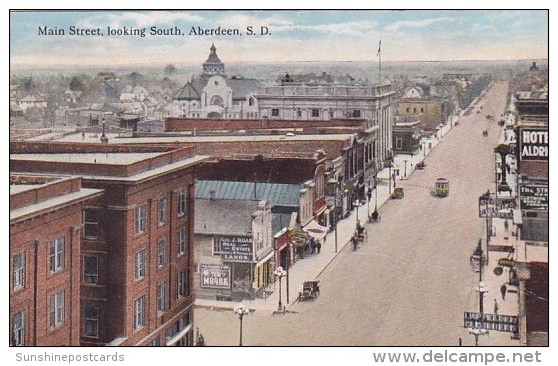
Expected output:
(45, 263)
(136, 281)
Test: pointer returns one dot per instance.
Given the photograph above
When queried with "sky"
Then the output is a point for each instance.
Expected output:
(319, 35)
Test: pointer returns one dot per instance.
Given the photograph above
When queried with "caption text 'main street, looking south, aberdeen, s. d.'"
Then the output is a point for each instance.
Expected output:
(152, 31)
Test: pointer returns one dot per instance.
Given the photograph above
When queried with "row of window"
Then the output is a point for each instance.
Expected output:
(162, 302)
(91, 311)
(55, 318)
(408, 110)
(91, 217)
(140, 256)
(91, 263)
(56, 262)
(315, 112)
(140, 222)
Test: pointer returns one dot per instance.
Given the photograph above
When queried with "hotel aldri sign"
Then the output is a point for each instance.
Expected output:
(533, 144)
(236, 248)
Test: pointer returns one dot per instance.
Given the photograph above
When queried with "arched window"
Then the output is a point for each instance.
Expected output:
(216, 100)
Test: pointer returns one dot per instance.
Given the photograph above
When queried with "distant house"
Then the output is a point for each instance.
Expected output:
(32, 101)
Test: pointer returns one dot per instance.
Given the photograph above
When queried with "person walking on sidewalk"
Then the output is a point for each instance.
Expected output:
(495, 306)
(319, 246)
(503, 290)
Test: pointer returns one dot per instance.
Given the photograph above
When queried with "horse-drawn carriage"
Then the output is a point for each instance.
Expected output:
(310, 290)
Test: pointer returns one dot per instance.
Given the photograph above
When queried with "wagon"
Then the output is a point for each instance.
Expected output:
(310, 290)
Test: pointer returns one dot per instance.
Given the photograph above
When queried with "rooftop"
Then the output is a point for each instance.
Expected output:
(274, 193)
(89, 158)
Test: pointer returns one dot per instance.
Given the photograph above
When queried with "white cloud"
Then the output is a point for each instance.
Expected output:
(396, 26)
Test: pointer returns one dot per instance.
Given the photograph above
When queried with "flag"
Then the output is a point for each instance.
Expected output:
(379, 48)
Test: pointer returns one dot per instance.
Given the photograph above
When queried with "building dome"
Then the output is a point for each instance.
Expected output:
(213, 65)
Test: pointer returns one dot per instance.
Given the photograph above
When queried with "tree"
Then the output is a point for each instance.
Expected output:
(170, 69)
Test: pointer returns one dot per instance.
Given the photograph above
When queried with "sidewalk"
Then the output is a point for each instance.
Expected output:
(313, 265)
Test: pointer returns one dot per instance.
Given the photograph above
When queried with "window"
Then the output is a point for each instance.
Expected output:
(181, 245)
(140, 265)
(56, 255)
(180, 284)
(18, 271)
(356, 113)
(181, 202)
(275, 112)
(156, 342)
(422, 110)
(408, 110)
(161, 253)
(216, 246)
(90, 269)
(91, 224)
(18, 329)
(414, 110)
(398, 143)
(299, 113)
(91, 320)
(141, 217)
(162, 211)
(139, 313)
(315, 112)
(56, 313)
(216, 100)
(161, 297)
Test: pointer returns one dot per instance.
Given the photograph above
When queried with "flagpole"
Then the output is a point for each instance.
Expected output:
(380, 63)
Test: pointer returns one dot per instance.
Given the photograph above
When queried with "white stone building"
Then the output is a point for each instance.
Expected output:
(215, 95)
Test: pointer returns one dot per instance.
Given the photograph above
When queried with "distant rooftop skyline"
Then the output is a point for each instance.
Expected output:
(318, 35)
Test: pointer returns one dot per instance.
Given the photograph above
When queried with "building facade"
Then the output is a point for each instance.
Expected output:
(45, 263)
(136, 243)
(234, 255)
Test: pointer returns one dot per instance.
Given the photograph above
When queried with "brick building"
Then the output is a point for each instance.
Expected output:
(45, 263)
(137, 238)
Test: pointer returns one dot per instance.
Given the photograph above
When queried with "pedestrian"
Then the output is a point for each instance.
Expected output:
(314, 247)
(495, 306)
(460, 342)
(503, 290)
(506, 225)
(319, 247)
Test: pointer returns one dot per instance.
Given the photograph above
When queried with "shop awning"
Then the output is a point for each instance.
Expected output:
(315, 230)
(266, 258)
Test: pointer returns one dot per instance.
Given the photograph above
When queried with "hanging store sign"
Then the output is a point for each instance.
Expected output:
(533, 196)
(215, 276)
(236, 248)
(533, 144)
(493, 206)
(503, 323)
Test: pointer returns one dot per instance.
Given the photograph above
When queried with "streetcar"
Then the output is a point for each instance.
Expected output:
(441, 188)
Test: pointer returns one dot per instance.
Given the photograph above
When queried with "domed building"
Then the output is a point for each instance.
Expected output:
(214, 95)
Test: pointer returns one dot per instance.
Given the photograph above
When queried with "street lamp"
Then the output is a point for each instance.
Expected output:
(389, 161)
(279, 272)
(241, 311)
(369, 196)
(405, 174)
(357, 203)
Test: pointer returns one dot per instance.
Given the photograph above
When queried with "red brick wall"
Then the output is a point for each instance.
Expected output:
(288, 171)
(26, 147)
(44, 192)
(181, 124)
(46, 228)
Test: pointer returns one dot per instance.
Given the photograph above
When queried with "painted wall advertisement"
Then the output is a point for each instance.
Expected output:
(236, 248)
(533, 195)
(215, 276)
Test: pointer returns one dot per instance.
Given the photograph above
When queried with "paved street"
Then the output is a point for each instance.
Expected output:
(411, 282)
